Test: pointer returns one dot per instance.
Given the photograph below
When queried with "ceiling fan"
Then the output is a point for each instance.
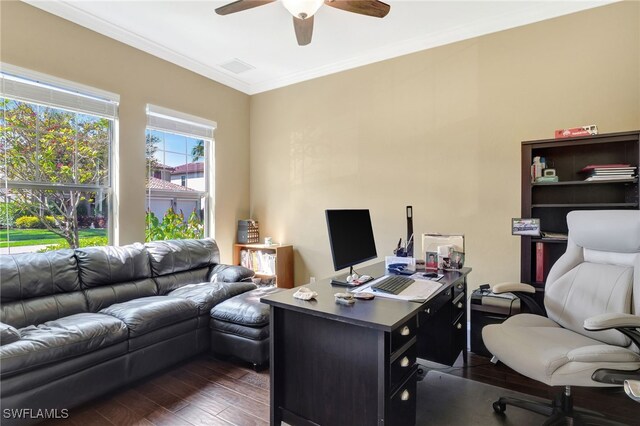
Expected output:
(303, 11)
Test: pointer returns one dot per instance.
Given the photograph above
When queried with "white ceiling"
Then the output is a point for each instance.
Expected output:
(191, 35)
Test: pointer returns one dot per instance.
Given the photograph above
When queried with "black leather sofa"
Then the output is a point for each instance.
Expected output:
(75, 324)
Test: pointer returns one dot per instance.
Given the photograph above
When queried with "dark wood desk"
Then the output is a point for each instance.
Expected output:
(356, 365)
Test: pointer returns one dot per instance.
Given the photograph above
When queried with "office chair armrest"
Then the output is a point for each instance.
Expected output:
(611, 320)
(627, 324)
(602, 353)
(511, 287)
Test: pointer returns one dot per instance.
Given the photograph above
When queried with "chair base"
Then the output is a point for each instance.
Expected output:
(560, 411)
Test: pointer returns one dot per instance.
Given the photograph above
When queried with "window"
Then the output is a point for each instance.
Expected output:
(55, 142)
(178, 151)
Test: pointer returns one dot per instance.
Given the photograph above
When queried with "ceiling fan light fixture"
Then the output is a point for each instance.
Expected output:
(302, 9)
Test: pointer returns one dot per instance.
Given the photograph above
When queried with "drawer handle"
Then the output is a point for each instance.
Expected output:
(428, 310)
(459, 326)
(460, 305)
(404, 362)
(459, 286)
(405, 395)
(405, 331)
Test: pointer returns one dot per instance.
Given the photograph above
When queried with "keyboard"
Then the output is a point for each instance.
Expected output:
(393, 284)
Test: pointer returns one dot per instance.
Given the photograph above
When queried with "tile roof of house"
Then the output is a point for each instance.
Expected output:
(188, 168)
(163, 185)
(160, 166)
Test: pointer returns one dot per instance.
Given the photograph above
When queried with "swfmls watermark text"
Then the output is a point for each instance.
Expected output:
(30, 413)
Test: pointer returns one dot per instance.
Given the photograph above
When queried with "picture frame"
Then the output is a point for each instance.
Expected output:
(525, 226)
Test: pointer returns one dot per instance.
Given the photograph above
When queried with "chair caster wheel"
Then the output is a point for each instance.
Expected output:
(499, 407)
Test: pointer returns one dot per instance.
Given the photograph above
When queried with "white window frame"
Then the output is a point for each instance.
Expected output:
(24, 85)
(171, 121)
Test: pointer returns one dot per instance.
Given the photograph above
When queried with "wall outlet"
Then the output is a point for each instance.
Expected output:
(312, 279)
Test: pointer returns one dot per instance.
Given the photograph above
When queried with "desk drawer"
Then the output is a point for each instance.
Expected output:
(402, 407)
(401, 367)
(404, 333)
(459, 304)
(433, 306)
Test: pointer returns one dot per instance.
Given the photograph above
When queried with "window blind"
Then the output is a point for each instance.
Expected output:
(67, 98)
(164, 119)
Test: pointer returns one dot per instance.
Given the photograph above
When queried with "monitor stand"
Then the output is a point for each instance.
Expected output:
(342, 279)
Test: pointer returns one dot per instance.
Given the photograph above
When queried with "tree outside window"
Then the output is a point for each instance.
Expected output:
(56, 176)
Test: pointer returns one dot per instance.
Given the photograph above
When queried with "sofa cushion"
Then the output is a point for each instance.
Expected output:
(110, 265)
(246, 308)
(60, 339)
(8, 334)
(28, 275)
(150, 313)
(230, 274)
(207, 295)
(168, 257)
(167, 283)
(38, 310)
(101, 297)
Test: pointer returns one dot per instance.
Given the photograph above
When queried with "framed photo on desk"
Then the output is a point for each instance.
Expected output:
(521, 226)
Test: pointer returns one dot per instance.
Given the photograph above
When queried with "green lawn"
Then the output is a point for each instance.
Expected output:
(30, 237)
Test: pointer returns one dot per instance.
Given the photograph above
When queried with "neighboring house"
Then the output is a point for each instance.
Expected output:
(163, 194)
(190, 175)
(162, 171)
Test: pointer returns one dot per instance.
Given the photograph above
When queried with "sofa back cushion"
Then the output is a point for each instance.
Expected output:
(111, 265)
(175, 263)
(113, 274)
(169, 257)
(170, 282)
(39, 287)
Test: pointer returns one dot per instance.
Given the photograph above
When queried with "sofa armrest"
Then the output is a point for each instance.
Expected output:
(8, 334)
(230, 274)
(611, 320)
(511, 287)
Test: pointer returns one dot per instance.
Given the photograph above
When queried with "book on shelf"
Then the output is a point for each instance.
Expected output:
(258, 261)
(591, 167)
(607, 178)
(609, 172)
(542, 258)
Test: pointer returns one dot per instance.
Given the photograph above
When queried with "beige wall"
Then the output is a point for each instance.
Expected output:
(33, 39)
(439, 130)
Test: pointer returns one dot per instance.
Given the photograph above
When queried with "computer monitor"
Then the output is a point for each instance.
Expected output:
(350, 237)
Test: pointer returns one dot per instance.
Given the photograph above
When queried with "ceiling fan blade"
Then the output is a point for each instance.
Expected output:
(240, 5)
(373, 8)
(304, 30)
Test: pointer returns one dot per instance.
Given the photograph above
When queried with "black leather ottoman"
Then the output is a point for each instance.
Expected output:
(240, 327)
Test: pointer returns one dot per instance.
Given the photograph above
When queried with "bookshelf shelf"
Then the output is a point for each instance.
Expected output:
(574, 206)
(552, 201)
(281, 253)
(584, 182)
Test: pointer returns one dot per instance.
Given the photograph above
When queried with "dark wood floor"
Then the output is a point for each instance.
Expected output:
(612, 402)
(207, 391)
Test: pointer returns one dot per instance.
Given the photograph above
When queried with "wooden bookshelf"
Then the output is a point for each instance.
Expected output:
(552, 201)
(283, 263)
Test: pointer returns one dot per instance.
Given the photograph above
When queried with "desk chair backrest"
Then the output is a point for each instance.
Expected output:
(599, 273)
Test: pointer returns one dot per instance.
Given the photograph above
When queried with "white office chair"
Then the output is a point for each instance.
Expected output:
(590, 336)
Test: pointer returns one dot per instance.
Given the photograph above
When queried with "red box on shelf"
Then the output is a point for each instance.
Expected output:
(577, 131)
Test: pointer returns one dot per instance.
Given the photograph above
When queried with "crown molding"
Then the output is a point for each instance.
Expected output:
(94, 23)
(538, 12)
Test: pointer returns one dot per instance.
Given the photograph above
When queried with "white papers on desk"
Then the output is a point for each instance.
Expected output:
(419, 291)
